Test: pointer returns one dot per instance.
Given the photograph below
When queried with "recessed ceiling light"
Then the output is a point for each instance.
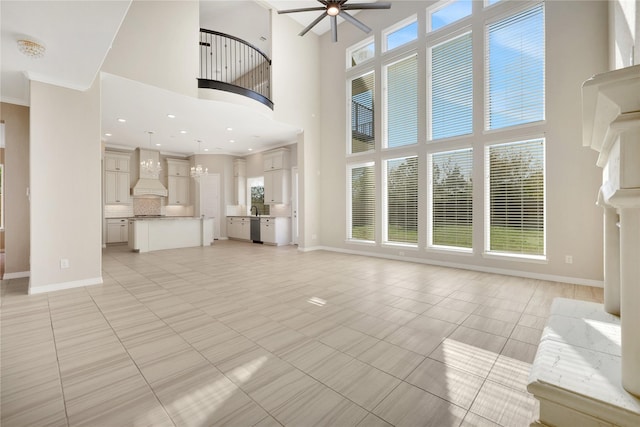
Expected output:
(232, 140)
(122, 120)
(108, 134)
(183, 132)
(206, 149)
(158, 145)
(171, 116)
(250, 149)
(229, 129)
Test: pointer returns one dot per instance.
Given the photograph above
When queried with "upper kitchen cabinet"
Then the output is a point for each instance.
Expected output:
(240, 181)
(276, 187)
(116, 179)
(276, 159)
(177, 167)
(178, 182)
(116, 162)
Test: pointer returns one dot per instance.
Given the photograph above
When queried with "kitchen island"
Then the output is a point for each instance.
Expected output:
(154, 234)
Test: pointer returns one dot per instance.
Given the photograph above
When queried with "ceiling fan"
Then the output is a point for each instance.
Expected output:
(336, 8)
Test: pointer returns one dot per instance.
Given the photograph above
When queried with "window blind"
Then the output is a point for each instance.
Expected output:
(516, 197)
(401, 106)
(515, 69)
(402, 200)
(452, 88)
(363, 202)
(451, 198)
(362, 113)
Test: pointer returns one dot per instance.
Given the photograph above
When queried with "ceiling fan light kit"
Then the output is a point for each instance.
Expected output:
(333, 9)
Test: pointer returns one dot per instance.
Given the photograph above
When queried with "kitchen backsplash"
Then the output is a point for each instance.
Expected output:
(147, 206)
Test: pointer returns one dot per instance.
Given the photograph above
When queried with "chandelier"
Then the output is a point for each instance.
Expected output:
(31, 49)
(198, 171)
(149, 166)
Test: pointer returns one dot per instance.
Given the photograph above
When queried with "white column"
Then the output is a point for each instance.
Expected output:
(630, 297)
(611, 261)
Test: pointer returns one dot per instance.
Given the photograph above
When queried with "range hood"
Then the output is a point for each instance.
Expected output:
(148, 184)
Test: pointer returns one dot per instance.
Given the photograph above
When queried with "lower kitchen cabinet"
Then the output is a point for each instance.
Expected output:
(275, 231)
(238, 228)
(117, 230)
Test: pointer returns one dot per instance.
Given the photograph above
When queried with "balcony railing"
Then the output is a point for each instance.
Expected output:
(233, 65)
(362, 122)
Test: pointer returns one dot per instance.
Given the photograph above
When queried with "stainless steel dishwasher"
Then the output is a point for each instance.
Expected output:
(255, 229)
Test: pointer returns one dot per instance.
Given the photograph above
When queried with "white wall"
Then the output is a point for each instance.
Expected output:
(157, 44)
(65, 156)
(296, 94)
(244, 19)
(576, 34)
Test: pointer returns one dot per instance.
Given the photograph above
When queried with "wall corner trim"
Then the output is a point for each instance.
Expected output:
(64, 285)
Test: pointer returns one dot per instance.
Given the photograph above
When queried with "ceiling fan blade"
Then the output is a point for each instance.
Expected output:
(313, 24)
(362, 6)
(354, 21)
(304, 9)
(334, 29)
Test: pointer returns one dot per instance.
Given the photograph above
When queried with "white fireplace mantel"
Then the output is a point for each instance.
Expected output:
(587, 368)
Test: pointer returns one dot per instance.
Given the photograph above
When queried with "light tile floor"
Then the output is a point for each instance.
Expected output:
(242, 334)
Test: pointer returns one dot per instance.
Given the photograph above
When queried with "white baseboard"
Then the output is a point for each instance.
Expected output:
(316, 248)
(506, 272)
(17, 275)
(64, 285)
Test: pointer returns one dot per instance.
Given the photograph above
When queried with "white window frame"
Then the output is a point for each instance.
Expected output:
(526, 5)
(429, 128)
(349, 204)
(385, 202)
(430, 245)
(351, 49)
(385, 99)
(441, 5)
(488, 253)
(395, 27)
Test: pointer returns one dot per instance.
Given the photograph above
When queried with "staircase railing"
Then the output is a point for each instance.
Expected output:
(233, 65)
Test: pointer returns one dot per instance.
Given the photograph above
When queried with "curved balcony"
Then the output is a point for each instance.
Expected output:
(230, 64)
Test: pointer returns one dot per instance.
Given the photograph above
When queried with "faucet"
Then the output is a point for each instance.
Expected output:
(256, 210)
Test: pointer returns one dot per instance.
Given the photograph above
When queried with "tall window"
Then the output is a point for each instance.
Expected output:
(451, 207)
(451, 88)
(256, 195)
(515, 197)
(402, 200)
(363, 202)
(2, 176)
(515, 69)
(401, 102)
(362, 114)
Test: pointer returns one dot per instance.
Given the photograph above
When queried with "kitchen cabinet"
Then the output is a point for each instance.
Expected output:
(238, 228)
(178, 182)
(177, 167)
(117, 230)
(116, 162)
(275, 231)
(116, 179)
(276, 159)
(178, 191)
(276, 186)
(116, 188)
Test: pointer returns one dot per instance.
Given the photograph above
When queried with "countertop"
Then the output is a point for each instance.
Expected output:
(259, 216)
(164, 218)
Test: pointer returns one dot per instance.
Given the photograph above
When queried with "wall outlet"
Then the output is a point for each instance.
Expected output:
(64, 263)
(401, 253)
(314, 236)
(568, 259)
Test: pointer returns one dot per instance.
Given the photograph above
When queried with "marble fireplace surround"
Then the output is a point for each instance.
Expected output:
(587, 369)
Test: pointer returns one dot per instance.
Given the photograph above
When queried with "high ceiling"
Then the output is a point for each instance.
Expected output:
(77, 36)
